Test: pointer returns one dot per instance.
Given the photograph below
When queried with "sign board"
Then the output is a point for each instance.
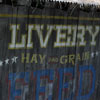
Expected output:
(49, 54)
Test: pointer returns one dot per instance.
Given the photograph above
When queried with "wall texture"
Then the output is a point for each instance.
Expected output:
(49, 53)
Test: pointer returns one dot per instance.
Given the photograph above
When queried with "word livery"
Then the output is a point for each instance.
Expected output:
(66, 35)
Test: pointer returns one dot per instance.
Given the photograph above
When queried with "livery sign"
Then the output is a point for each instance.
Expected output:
(49, 54)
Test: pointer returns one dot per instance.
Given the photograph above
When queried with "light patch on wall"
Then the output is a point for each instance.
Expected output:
(95, 2)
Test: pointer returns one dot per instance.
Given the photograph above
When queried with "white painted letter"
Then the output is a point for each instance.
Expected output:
(39, 29)
(29, 42)
(62, 36)
(13, 44)
(74, 28)
(93, 34)
(81, 35)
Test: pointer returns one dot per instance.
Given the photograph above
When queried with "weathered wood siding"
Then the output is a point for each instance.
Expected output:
(49, 54)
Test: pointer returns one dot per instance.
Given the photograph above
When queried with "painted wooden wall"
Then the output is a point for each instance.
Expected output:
(47, 53)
